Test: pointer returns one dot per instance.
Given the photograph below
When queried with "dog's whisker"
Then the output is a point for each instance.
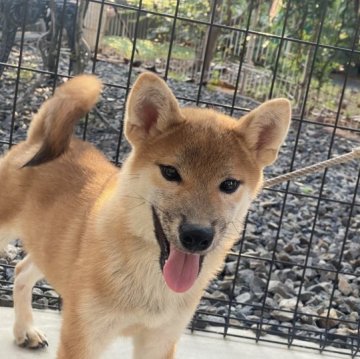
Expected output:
(239, 223)
(151, 204)
(113, 274)
(139, 205)
(132, 175)
(238, 231)
(142, 198)
(132, 197)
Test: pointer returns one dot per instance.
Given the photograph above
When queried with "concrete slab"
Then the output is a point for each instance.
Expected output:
(191, 346)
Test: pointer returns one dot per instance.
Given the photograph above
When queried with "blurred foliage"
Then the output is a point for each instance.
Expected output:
(267, 16)
(303, 23)
(147, 50)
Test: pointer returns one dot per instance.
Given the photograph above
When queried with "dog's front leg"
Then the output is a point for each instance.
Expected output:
(27, 274)
(83, 336)
(154, 345)
(77, 343)
(158, 343)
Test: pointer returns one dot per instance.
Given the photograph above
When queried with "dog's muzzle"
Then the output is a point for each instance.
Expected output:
(181, 268)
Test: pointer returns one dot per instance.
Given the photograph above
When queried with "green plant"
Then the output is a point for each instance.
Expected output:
(147, 50)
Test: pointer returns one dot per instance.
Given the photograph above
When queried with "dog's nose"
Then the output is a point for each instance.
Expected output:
(196, 238)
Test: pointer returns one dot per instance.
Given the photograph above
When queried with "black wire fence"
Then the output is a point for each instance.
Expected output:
(293, 278)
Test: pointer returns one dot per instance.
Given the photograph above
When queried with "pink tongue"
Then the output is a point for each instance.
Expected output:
(181, 270)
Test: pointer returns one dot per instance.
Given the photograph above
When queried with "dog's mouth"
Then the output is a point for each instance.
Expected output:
(180, 269)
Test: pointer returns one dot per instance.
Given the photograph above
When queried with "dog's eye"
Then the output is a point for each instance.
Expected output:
(170, 173)
(229, 185)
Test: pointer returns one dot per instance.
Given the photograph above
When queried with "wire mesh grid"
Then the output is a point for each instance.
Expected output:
(293, 276)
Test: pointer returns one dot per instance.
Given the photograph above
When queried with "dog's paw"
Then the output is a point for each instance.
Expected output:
(31, 338)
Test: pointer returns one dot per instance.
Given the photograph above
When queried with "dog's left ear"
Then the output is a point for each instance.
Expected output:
(151, 108)
(265, 128)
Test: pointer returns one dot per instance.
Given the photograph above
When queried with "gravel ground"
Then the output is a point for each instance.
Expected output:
(293, 244)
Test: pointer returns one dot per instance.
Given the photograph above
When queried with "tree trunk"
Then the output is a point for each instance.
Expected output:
(79, 60)
(212, 35)
(206, 51)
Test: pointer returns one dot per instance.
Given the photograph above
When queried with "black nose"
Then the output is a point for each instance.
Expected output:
(196, 238)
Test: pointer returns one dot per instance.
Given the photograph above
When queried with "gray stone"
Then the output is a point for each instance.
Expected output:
(344, 286)
(245, 276)
(306, 295)
(317, 288)
(230, 267)
(282, 316)
(264, 329)
(289, 248)
(353, 303)
(6, 300)
(273, 225)
(353, 252)
(289, 304)
(10, 252)
(257, 285)
(214, 320)
(284, 257)
(253, 318)
(330, 322)
(344, 308)
(42, 303)
(277, 287)
(308, 315)
(225, 285)
(244, 298)
(271, 303)
(244, 310)
(354, 317)
(218, 295)
(37, 291)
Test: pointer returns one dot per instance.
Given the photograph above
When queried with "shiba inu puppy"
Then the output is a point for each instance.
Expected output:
(131, 250)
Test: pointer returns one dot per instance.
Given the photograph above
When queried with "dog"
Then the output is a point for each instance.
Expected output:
(130, 250)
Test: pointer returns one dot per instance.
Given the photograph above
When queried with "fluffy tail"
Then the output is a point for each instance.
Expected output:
(53, 125)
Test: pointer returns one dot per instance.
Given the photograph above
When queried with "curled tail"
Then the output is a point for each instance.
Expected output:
(53, 125)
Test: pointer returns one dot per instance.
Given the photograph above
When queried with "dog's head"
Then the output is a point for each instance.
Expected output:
(193, 173)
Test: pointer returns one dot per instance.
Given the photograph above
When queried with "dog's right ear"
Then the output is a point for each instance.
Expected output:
(264, 129)
(151, 109)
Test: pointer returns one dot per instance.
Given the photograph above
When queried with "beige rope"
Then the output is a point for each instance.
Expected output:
(355, 153)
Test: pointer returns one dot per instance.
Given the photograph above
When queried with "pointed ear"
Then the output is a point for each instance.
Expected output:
(265, 128)
(151, 108)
